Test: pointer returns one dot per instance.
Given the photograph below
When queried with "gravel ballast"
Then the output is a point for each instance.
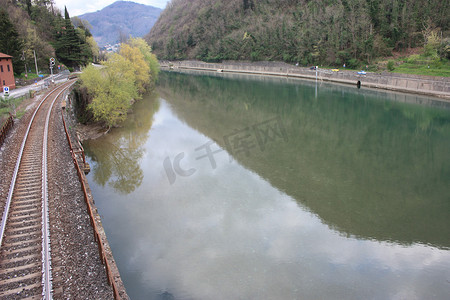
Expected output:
(78, 272)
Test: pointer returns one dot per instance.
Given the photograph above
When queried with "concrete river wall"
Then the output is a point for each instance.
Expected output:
(424, 85)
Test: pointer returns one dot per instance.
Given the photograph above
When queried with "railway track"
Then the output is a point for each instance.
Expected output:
(25, 261)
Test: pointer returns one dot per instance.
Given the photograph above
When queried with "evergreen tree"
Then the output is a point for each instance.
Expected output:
(29, 7)
(68, 45)
(86, 51)
(10, 43)
(66, 13)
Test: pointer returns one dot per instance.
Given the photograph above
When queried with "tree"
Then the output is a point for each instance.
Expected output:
(149, 57)
(248, 4)
(124, 77)
(70, 44)
(94, 48)
(10, 43)
(112, 88)
(86, 50)
(140, 67)
(29, 7)
(81, 23)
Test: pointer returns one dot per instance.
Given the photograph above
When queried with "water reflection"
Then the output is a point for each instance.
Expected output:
(367, 166)
(117, 154)
(335, 211)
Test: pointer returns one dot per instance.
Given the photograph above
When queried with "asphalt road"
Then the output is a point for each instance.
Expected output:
(39, 85)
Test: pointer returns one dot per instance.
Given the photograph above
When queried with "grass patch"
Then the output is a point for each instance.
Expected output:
(30, 76)
(419, 69)
(20, 113)
(6, 106)
(428, 63)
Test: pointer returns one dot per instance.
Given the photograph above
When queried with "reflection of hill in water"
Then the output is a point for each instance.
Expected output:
(118, 153)
(366, 166)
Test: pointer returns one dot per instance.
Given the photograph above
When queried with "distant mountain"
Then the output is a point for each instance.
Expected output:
(121, 18)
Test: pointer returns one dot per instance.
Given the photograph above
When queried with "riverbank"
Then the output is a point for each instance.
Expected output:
(106, 256)
(415, 84)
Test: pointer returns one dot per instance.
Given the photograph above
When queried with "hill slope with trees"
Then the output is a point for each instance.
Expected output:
(330, 32)
(38, 27)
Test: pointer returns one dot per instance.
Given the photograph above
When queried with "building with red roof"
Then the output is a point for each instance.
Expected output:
(6, 72)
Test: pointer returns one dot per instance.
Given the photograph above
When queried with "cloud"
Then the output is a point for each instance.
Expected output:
(77, 8)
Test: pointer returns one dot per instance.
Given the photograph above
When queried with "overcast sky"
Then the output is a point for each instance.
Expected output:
(80, 7)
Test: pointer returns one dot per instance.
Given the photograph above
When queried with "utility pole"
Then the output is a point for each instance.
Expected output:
(35, 62)
(23, 59)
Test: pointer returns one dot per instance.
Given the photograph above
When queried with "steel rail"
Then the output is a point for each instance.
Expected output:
(16, 171)
(45, 228)
(47, 289)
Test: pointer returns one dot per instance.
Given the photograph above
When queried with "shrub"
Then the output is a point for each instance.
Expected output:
(343, 56)
(390, 65)
(254, 55)
(3, 102)
(353, 63)
(287, 57)
(6, 102)
(432, 43)
(413, 58)
(304, 61)
(444, 51)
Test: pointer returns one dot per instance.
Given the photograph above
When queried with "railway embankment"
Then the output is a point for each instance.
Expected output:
(416, 84)
(82, 263)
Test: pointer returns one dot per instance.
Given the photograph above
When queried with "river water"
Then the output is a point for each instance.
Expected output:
(234, 187)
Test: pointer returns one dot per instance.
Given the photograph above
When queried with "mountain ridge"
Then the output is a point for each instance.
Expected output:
(121, 19)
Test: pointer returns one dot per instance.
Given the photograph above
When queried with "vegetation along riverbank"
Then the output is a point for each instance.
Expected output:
(107, 91)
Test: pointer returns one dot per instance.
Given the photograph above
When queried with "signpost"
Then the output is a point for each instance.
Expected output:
(6, 93)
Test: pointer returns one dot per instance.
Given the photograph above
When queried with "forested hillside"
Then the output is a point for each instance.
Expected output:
(330, 32)
(28, 27)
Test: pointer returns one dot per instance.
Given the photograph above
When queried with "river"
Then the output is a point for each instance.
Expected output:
(238, 187)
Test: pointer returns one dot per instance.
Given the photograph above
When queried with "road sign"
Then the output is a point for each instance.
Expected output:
(6, 90)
